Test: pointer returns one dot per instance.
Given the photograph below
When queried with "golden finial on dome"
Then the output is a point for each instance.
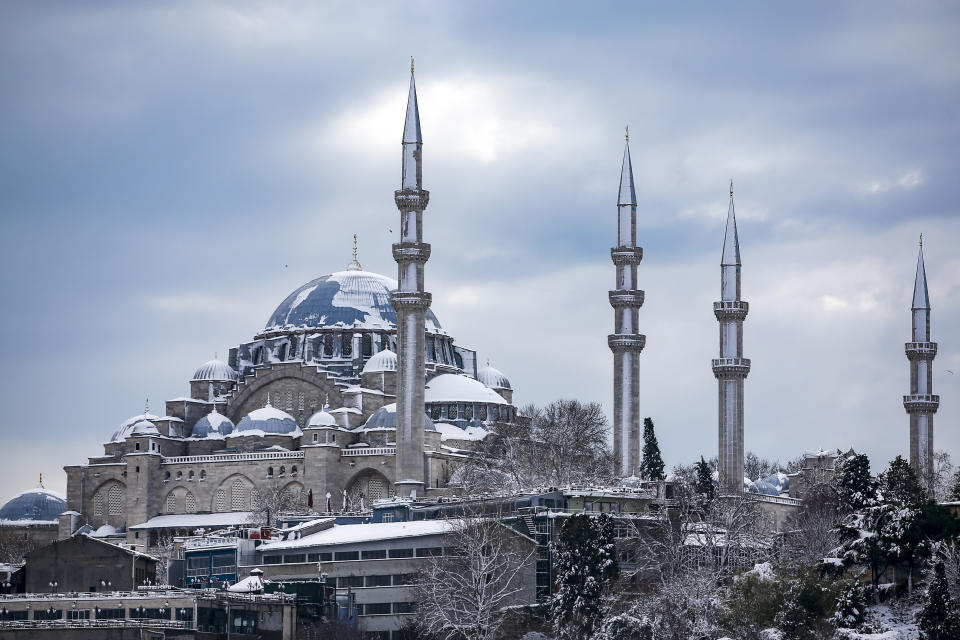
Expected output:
(354, 264)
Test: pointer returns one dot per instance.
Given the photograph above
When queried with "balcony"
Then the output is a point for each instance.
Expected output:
(731, 367)
(921, 403)
(368, 451)
(727, 310)
(626, 298)
(620, 342)
(920, 350)
(626, 255)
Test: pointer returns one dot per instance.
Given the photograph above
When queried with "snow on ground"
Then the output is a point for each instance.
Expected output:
(887, 622)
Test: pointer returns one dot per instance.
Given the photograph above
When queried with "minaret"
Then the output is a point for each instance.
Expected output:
(921, 404)
(411, 303)
(731, 368)
(626, 342)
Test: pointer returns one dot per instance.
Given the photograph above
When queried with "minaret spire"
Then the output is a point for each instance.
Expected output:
(411, 303)
(626, 342)
(921, 404)
(731, 368)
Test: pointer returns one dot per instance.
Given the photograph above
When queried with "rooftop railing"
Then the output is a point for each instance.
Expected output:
(229, 457)
(368, 451)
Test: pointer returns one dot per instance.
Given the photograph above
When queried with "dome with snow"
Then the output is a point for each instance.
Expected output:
(779, 480)
(269, 420)
(493, 378)
(36, 505)
(322, 419)
(386, 418)
(454, 387)
(386, 360)
(126, 427)
(215, 371)
(764, 487)
(345, 298)
(212, 425)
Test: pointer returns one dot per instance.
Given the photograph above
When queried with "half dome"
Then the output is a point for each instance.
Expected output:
(36, 505)
(342, 299)
(269, 420)
(215, 371)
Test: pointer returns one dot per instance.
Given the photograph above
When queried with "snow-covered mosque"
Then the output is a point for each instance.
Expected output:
(309, 404)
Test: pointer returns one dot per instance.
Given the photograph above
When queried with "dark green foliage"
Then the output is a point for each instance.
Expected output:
(800, 606)
(585, 559)
(704, 485)
(855, 488)
(851, 607)
(900, 484)
(955, 487)
(806, 607)
(938, 619)
(651, 466)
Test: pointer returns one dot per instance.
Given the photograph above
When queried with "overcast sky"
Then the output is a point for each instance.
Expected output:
(170, 172)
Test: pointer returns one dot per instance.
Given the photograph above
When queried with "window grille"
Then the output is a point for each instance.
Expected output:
(238, 496)
(98, 504)
(171, 503)
(115, 500)
(191, 503)
(220, 501)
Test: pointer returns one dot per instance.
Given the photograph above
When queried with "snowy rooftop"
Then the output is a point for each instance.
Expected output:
(33, 506)
(195, 521)
(453, 387)
(354, 533)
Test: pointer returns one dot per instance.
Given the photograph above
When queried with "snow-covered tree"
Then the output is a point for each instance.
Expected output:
(812, 529)
(585, 561)
(704, 482)
(651, 466)
(851, 608)
(756, 467)
(900, 485)
(954, 494)
(272, 498)
(942, 476)
(855, 488)
(938, 618)
(462, 593)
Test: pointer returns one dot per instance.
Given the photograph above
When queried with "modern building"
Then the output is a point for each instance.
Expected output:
(351, 387)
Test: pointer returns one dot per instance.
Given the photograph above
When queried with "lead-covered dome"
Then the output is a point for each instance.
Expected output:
(269, 420)
(345, 298)
(212, 425)
(322, 418)
(493, 378)
(454, 387)
(215, 371)
(36, 505)
(386, 360)
(126, 427)
(386, 418)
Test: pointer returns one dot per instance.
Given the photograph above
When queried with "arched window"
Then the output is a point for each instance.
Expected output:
(328, 345)
(171, 506)
(269, 472)
(179, 475)
(283, 470)
(429, 346)
(435, 411)
(98, 504)
(203, 474)
(166, 476)
(294, 470)
(282, 352)
(468, 412)
(482, 413)
(238, 496)
(191, 503)
(346, 344)
(367, 345)
(115, 500)
(220, 500)
(258, 355)
(191, 476)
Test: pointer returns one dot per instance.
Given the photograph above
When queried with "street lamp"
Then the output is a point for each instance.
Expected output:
(53, 585)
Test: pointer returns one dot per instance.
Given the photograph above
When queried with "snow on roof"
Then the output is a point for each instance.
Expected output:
(169, 419)
(267, 419)
(453, 387)
(386, 360)
(322, 419)
(493, 378)
(194, 520)
(453, 432)
(215, 370)
(35, 506)
(250, 584)
(127, 426)
(353, 533)
(104, 531)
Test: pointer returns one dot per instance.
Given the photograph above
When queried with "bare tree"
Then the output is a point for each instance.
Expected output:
(812, 530)
(272, 498)
(942, 475)
(15, 545)
(163, 551)
(485, 567)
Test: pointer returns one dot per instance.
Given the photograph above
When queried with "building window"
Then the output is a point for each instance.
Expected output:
(300, 402)
(435, 412)
(220, 500)
(191, 476)
(272, 559)
(269, 472)
(191, 503)
(325, 556)
(378, 581)
(258, 355)
(238, 496)
(387, 516)
(401, 553)
(283, 470)
(316, 437)
(98, 505)
(203, 475)
(333, 437)
(282, 352)
(293, 471)
(367, 345)
(137, 446)
(294, 558)
(115, 500)
(376, 608)
(171, 503)
(328, 345)
(374, 554)
(166, 476)
(468, 412)
(347, 555)
(179, 476)
(403, 607)
(346, 345)
(426, 552)
(429, 345)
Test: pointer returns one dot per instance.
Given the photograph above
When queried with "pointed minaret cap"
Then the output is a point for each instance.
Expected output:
(628, 194)
(921, 299)
(731, 244)
(411, 126)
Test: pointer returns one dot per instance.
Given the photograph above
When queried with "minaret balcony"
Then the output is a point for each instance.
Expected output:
(920, 350)
(411, 199)
(731, 367)
(411, 252)
(921, 403)
(626, 255)
(626, 298)
(407, 300)
(621, 342)
(730, 310)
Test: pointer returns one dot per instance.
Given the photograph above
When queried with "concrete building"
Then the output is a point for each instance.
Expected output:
(921, 404)
(731, 368)
(626, 342)
(351, 387)
(84, 564)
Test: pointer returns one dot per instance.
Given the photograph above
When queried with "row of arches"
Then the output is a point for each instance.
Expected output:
(238, 494)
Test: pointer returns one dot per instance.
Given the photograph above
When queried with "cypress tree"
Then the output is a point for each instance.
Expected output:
(854, 485)
(651, 467)
(938, 618)
(704, 484)
(900, 484)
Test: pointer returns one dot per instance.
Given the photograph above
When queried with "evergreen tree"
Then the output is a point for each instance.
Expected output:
(851, 609)
(651, 467)
(855, 488)
(704, 485)
(900, 484)
(585, 560)
(938, 619)
(955, 487)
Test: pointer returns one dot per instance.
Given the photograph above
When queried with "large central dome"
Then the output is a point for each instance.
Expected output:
(344, 299)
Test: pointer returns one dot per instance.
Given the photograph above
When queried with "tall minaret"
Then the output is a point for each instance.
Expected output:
(731, 368)
(626, 342)
(411, 303)
(921, 404)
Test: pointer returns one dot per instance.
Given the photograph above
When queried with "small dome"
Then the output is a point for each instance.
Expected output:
(386, 360)
(126, 427)
(386, 418)
(104, 531)
(212, 425)
(215, 371)
(37, 505)
(322, 419)
(144, 428)
(454, 387)
(493, 378)
(269, 419)
(765, 488)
